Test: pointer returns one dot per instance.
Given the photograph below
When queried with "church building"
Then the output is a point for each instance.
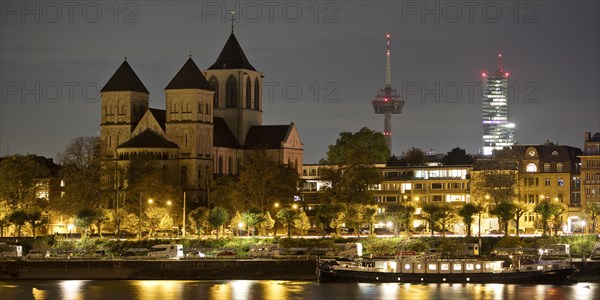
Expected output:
(213, 118)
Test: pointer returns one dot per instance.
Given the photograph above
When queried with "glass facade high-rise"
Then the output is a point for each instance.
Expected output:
(498, 132)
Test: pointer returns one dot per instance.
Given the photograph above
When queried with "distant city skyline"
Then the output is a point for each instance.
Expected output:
(321, 66)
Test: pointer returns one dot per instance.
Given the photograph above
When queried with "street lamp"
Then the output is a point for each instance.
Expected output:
(70, 228)
(240, 226)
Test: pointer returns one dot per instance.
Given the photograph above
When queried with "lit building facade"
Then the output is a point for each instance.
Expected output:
(590, 171)
(498, 132)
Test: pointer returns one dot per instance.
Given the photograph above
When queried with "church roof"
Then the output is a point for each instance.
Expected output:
(160, 115)
(269, 136)
(232, 57)
(124, 79)
(595, 138)
(189, 77)
(148, 139)
(222, 135)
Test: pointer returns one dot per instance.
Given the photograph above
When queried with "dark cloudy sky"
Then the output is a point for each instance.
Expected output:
(333, 52)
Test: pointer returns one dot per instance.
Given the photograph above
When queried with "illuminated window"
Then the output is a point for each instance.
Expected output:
(531, 167)
(407, 266)
(478, 266)
(444, 267)
(469, 267)
(561, 182)
(546, 167)
(559, 167)
(457, 267)
(432, 266)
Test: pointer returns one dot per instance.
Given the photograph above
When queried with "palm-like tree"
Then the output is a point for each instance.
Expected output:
(217, 217)
(545, 209)
(18, 218)
(466, 213)
(505, 212)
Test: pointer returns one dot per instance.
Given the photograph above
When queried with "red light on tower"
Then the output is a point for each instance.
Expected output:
(506, 74)
(483, 74)
(388, 36)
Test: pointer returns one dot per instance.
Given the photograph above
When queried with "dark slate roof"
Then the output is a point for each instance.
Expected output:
(565, 153)
(269, 136)
(189, 77)
(222, 135)
(124, 79)
(595, 138)
(161, 117)
(232, 57)
(148, 139)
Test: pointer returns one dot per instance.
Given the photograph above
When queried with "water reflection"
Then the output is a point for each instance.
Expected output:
(272, 289)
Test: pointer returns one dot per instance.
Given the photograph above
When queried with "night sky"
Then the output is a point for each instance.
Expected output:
(334, 52)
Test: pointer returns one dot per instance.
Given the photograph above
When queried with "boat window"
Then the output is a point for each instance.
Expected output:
(457, 267)
(469, 267)
(432, 266)
(419, 266)
(445, 267)
(478, 266)
(407, 266)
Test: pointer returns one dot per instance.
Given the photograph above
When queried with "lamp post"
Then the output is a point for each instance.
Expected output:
(183, 221)
(139, 235)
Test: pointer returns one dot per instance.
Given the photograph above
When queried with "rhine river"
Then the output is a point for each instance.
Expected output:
(272, 289)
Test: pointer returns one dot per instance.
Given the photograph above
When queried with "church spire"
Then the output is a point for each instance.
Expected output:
(232, 56)
(124, 79)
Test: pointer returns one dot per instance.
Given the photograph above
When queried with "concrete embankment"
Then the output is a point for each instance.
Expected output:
(190, 269)
(183, 269)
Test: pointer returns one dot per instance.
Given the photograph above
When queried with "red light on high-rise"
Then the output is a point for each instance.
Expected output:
(506, 74)
(388, 36)
(483, 74)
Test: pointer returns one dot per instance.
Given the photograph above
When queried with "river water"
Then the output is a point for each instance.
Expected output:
(272, 289)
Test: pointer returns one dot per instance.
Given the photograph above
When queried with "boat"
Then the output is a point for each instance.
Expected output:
(433, 269)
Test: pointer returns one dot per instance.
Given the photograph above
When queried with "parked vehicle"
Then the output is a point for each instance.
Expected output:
(7, 250)
(166, 251)
(559, 250)
(264, 250)
(38, 254)
(349, 250)
(226, 253)
(133, 252)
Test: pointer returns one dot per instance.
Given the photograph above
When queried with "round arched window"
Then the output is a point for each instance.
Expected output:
(531, 167)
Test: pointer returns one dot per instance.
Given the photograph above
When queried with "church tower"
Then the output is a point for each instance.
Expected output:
(189, 123)
(238, 89)
(124, 100)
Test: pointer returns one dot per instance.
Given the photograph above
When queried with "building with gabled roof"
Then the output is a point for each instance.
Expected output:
(207, 128)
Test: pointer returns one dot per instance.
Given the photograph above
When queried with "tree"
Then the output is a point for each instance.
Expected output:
(85, 218)
(287, 216)
(466, 213)
(326, 213)
(354, 217)
(268, 223)
(81, 172)
(413, 157)
(556, 220)
(352, 171)
(369, 214)
(505, 210)
(199, 219)
(363, 147)
(103, 217)
(18, 218)
(592, 209)
(457, 156)
(34, 218)
(252, 217)
(18, 178)
(217, 217)
(400, 215)
(302, 222)
(545, 209)
(437, 213)
(158, 218)
(261, 183)
(519, 210)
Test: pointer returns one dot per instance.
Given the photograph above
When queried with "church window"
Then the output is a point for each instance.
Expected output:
(230, 162)
(256, 95)
(199, 107)
(215, 85)
(231, 92)
(248, 93)
(220, 165)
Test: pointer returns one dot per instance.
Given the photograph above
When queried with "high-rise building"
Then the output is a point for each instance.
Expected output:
(387, 100)
(498, 132)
